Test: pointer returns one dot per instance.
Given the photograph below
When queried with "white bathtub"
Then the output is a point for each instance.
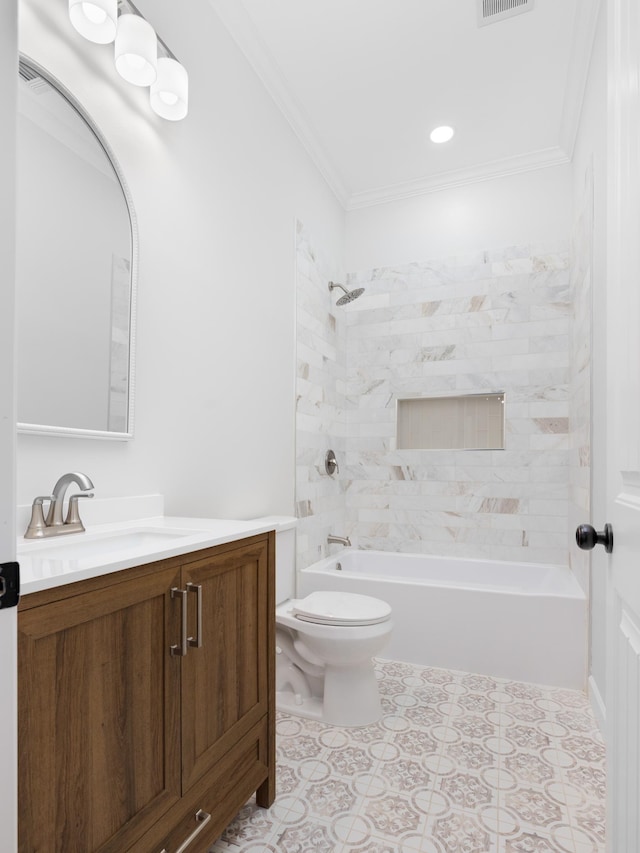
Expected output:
(522, 621)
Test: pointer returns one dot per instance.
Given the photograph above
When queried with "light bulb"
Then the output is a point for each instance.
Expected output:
(168, 98)
(441, 134)
(94, 13)
(95, 20)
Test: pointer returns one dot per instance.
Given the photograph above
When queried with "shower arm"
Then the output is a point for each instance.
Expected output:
(333, 284)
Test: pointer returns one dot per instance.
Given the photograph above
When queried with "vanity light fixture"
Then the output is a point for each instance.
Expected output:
(95, 20)
(141, 57)
(441, 134)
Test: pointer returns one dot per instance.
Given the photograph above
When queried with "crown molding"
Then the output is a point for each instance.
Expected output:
(584, 32)
(237, 22)
(459, 177)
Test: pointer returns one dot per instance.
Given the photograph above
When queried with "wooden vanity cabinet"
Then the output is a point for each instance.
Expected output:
(125, 745)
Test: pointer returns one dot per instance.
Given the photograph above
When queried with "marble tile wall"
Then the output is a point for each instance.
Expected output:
(320, 402)
(495, 321)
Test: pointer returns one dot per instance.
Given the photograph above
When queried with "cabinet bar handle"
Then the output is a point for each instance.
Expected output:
(203, 819)
(197, 588)
(182, 648)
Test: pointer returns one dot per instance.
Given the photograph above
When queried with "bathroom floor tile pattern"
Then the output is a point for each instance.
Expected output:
(459, 763)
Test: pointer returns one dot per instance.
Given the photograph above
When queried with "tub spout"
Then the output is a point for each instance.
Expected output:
(339, 540)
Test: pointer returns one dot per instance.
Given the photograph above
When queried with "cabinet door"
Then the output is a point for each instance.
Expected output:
(225, 681)
(99, 718)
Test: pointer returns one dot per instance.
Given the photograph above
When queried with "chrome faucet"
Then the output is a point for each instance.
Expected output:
(54, 525)
(339, 540)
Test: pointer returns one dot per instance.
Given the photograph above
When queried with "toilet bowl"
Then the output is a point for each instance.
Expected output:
(325, 646)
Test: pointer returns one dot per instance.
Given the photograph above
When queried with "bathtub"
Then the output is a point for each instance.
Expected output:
(521, 621)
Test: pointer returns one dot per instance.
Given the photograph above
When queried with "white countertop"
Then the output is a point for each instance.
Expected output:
(106, 548)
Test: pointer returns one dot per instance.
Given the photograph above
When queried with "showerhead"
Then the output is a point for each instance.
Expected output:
(349, 295)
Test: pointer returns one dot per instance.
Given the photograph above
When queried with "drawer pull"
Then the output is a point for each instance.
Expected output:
(182, 648)
(202, 818)
(197, 588)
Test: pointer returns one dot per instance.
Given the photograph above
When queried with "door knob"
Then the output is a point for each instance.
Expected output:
(588, 537)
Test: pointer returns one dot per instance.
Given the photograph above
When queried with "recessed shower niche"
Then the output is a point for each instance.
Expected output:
(467, 422)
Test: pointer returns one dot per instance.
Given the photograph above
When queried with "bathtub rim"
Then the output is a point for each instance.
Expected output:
(571, 587)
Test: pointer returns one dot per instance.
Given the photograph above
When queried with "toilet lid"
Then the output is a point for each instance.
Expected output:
(341, 608)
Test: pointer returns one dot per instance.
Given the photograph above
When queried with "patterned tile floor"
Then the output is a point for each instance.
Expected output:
(459, 763)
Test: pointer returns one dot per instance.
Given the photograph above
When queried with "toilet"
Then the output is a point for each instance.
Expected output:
(325, 643)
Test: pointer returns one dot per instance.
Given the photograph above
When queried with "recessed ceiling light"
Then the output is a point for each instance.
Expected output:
(441, 134)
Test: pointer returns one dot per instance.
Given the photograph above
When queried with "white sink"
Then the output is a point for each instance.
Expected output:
(68, 547)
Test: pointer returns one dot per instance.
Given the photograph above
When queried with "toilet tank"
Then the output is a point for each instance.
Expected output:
(285, 528)
(285, 564)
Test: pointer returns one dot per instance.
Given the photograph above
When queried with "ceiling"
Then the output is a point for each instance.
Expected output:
(363, 82)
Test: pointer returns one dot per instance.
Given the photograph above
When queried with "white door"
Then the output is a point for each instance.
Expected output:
(623, 426)
(8, 623)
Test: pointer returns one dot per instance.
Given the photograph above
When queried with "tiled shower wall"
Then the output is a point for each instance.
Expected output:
(320, 403)
(498, 321)
(495, 322)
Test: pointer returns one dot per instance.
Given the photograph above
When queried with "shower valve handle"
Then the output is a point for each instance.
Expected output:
(588, 537)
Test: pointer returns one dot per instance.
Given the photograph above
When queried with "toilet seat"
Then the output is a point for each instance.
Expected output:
(341, 608)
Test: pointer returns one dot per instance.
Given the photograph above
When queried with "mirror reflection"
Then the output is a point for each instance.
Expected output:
(74, 266)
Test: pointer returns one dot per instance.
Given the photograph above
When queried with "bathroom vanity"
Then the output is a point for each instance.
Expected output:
(146, 708)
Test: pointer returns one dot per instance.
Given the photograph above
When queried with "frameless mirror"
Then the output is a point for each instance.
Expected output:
(75, 269)
(466, 422)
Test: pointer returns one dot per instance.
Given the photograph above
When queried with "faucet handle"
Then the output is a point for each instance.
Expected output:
(73, 516)
(37, 523)
(331, 463)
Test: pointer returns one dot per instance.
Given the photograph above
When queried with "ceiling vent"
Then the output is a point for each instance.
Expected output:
(492, 11)
(32, 79)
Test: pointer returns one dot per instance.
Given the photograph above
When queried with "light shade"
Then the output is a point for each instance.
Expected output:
(170, 93)
(96, 20)
(441, 134)
(136, 50)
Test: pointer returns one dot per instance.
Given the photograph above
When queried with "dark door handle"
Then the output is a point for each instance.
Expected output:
(588, 537)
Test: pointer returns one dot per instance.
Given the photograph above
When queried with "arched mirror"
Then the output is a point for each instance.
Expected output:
(75, 268)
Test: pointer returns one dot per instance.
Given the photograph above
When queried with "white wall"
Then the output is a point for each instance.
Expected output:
(216, 197)
(527, 208)
(590, 155)
(8, 618)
